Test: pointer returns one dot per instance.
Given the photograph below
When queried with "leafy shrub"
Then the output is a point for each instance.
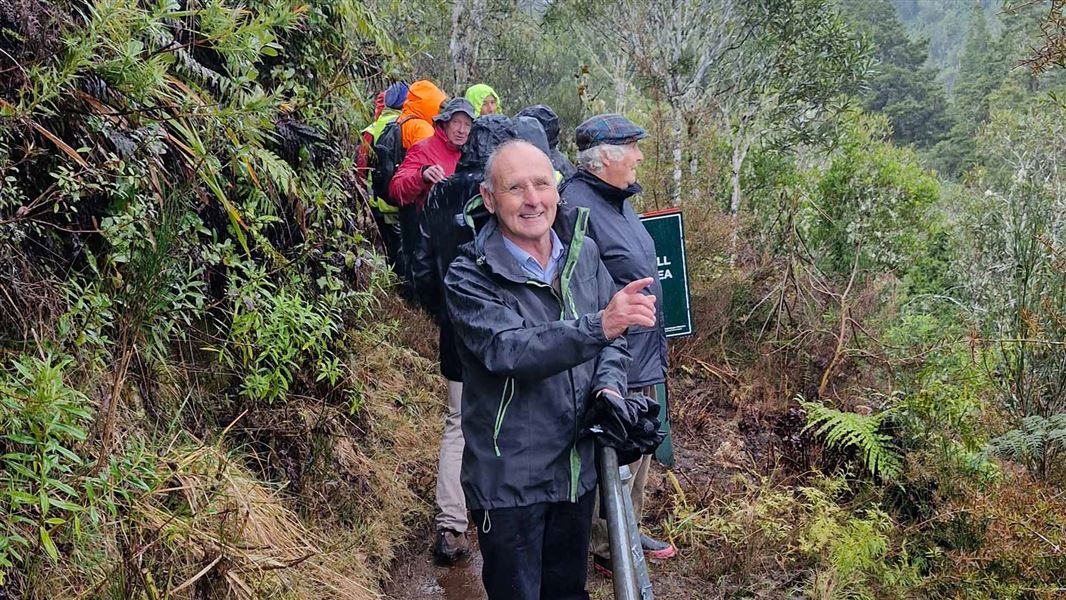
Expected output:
(274, 333)
(42, 491)
(839, 548)
(872, 203)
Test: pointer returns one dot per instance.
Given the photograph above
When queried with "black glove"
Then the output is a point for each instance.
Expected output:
(629, 425)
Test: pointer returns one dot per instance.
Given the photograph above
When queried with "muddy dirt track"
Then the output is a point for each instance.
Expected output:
(699, 458)
(417, 578)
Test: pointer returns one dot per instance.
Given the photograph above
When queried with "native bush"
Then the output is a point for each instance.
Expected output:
(42, 421)
(872, 204)
(853, 431)
(1014, 273)
(837, 543)
(180, 222)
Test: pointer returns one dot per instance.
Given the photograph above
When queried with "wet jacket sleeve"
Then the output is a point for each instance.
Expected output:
(423, 264)
(498, 335)
(613, 364)
(407, 185)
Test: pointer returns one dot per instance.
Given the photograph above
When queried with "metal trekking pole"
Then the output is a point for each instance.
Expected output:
(611, 497)
(640, 566)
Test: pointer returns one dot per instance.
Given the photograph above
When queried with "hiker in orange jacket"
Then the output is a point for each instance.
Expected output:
(416, 118)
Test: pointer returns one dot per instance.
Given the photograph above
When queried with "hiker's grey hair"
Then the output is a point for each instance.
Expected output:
(591, 159)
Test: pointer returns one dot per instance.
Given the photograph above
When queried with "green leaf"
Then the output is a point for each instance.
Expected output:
(49, 547)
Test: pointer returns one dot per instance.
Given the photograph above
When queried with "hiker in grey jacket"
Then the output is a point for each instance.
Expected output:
(606, 179)
(540, 332)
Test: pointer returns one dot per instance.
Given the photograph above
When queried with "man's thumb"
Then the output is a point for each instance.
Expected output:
(635, 287)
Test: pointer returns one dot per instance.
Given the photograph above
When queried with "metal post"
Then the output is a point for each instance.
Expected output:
(640, 566)
(611, 497)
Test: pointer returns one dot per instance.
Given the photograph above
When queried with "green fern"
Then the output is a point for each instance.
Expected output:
(1035, 444)
(851, 430)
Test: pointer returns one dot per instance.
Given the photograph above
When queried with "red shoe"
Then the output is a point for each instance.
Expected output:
(656, 549)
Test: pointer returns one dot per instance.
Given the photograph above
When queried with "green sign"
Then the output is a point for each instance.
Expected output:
(668, 230)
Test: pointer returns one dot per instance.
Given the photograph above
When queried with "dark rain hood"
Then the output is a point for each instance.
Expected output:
(530, 130)
(532, 356)
(487, 133)
(549, 121)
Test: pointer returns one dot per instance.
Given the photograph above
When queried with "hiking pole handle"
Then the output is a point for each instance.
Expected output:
(625, 575)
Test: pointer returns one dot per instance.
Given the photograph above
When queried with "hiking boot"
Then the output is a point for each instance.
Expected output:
(450, 546)
(602, 565)
(656, 548)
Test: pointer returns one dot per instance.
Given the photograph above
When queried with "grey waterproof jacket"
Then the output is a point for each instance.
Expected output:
(532, 355)
(629, 253)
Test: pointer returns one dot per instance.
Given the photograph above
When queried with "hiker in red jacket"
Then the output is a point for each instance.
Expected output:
(433, 158)
(428, 162)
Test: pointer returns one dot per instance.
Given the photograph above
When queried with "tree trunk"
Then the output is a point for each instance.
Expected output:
(740, 152)
(620, 74)
(676, 118)
(467, 18)
(693, 158)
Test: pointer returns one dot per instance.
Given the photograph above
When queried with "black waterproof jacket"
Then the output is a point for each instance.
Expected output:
(530, 130)
(628, 251)
(550, 121)
(532, 355)
(444, 227)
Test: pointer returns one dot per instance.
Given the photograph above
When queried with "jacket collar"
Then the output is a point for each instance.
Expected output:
(605, 190)
(490, 250)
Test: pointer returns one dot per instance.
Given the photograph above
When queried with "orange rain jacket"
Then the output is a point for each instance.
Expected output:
(416, 118)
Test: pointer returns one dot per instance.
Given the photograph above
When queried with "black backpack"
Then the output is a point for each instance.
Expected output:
(388, 154)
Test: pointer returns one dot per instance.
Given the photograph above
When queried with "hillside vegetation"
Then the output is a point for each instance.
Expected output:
(205, 390)
(210, 387)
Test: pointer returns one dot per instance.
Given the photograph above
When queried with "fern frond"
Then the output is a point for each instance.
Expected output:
(851, 430)
(1029, 443)
(277, 170)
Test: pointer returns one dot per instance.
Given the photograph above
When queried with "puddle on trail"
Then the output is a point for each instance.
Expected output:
(418, 578)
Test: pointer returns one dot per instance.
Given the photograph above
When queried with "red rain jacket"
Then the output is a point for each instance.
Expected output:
(407, 185)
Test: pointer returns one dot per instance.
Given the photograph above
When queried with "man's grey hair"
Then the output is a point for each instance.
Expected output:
(591, 159)
(490, 164)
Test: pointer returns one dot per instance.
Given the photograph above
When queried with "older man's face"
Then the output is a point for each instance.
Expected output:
(526, 199)
(457, 129)
(622, 173)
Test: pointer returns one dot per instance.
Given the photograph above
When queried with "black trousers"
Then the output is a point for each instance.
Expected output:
(537, 552)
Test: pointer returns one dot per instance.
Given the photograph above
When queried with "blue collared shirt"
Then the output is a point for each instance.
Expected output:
(530, 264)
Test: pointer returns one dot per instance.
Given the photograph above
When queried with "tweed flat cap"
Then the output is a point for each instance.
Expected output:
(607, 129)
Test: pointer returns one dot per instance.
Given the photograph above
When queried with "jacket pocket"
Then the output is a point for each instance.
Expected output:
(506, 395)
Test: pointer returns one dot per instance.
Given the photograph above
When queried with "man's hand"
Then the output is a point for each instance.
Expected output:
(433, 174)
(629, 307)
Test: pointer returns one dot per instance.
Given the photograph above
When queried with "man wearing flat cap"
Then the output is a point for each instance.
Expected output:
(605, 180)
